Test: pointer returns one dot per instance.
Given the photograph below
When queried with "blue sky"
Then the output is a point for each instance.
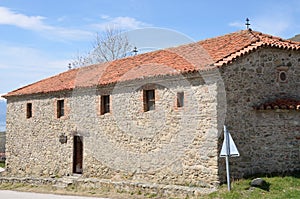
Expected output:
(39, 38)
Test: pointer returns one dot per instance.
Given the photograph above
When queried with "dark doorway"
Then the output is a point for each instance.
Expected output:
(78, 154)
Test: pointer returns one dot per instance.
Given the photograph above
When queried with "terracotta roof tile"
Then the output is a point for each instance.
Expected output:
(198, 56)
(290, 104)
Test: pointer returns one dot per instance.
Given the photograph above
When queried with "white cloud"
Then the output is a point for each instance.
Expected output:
(23, 57)
(8, 17)
(237, 24)
(123, 23)
(104, 16)
(20, 66)
(62, 19)
(36, 23)
(59, 33)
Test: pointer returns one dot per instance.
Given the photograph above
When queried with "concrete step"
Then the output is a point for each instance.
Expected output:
(66, 181)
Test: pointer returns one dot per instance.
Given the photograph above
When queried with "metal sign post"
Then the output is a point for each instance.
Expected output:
(228, 149)
(228, 173)
(226, 133)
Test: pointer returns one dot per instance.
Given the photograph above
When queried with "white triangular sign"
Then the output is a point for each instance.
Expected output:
(232, 149)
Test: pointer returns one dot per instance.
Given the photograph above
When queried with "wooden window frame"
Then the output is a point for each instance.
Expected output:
(105, 104)
(149, 100)
(60, 107)
(29, 110)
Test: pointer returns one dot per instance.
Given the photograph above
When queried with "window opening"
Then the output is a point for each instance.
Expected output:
(60, 108)
(180, 99)
(29, 110)
(105, 104)
(149, 100)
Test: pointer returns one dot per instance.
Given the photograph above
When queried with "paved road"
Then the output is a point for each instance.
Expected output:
(26, 195)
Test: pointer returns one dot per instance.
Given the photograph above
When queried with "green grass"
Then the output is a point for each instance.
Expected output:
(2, 164)
(279, 188)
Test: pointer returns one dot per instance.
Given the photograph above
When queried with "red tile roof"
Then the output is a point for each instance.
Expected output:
(198, 56)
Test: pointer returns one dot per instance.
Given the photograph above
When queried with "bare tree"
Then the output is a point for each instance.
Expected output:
(110, 45)
(82, 60)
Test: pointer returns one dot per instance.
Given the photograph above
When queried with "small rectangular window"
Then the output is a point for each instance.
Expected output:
(60, 108)
(180, 99)
(149, 100)
(28, 110)
(105, 104)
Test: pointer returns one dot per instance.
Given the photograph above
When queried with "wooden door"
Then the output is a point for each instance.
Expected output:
(78, 154)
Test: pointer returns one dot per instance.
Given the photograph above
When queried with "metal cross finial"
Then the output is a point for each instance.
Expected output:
(247, 23)
(135, 50)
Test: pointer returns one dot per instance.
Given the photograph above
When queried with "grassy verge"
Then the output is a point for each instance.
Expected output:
(279, 187)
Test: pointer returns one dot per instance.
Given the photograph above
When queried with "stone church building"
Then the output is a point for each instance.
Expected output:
(158, 117)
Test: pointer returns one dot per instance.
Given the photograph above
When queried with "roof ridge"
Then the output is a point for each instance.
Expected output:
(275, 37)
(220, 62)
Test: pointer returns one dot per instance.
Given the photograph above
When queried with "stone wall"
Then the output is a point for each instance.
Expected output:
(2, 142)
(268, 140)
(32, 145)
(168, 145)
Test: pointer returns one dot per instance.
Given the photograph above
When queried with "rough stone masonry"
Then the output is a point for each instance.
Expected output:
(126, 143)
